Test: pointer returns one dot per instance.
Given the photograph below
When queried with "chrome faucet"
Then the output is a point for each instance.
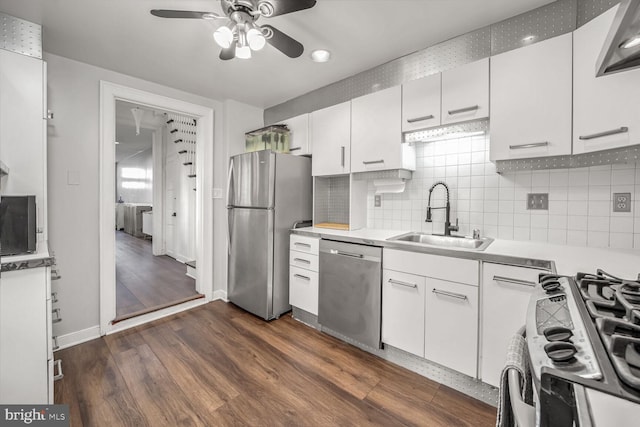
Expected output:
(448, 228)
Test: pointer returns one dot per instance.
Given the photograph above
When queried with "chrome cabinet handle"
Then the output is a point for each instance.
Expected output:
(449, 294)
(56, 312)
(59, 375)
(300, 276)
(55, 275)
(371, 162)
(306, 245)
(514, 281)
(420, 119)
(54, 297)
(306, 261)
(336, 252)
(342, 156)
(463, 110)
(55, 345)
(295, 148)
(532, 145)
(622, 129)
(401, 283)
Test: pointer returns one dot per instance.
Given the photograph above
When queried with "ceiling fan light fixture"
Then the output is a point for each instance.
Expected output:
(223, 36)
(320, 55)
(255, 39)
(243, 52)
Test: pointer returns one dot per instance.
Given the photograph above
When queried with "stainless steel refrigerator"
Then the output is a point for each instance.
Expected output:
(267, 193)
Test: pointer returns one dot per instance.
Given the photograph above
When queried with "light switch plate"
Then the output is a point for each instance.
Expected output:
(217, 193)
(73, 177)
(538, 201)
(622, 202)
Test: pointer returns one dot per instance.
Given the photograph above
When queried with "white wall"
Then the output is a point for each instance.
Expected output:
(136, 188)
(580, 200)
(74, 146)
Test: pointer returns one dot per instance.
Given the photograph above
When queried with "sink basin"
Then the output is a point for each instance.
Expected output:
(461, 242)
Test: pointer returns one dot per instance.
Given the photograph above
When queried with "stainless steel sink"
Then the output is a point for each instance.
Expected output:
(462, 242)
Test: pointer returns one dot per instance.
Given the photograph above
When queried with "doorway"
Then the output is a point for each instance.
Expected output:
(136, 256)
(154, 149)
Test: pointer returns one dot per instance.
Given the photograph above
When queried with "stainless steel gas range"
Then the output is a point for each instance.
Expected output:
(583, 337)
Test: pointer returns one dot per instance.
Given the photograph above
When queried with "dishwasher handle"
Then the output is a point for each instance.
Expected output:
(351, 254)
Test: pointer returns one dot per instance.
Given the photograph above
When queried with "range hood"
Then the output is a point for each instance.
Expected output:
(621, 49)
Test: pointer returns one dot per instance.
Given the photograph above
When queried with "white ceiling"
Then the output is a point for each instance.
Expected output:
(129, 143)
(122, 35)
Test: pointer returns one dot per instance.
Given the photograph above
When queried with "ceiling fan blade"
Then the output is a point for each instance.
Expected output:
(186, 14)
(271, 8)
(228, 53)
(285, 44)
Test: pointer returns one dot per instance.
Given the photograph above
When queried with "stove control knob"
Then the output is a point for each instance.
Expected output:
(558, 333)
(560, 351)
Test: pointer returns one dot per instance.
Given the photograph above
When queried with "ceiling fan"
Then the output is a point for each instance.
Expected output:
(240, 35)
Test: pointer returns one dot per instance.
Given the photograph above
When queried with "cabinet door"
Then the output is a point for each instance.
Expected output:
(331, 140)
(299, 137)
(602, 106)
(303, 289)
(403, 311)
(376, 134)
(451, 325)
(421, 103)
(505, 297)
(23, 337)
(465, 92)
(531, 100)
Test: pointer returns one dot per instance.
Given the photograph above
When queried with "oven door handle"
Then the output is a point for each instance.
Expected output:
(524, 414)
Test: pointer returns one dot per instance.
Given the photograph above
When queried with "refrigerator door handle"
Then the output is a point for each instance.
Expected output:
(229, 178)
(229, 225)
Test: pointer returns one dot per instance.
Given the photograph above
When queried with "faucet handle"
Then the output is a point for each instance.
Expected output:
(476, 233)
(454, 227)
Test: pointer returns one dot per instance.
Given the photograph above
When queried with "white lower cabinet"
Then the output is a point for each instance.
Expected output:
(303, 273)
(403, 311)
(451, 325)
(506, 291)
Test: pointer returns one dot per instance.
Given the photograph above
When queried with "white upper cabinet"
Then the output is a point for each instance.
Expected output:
(531, 100)
(376, 133)
(330, 130)
(299, 137)
(605, 108)
(465, 92)
(421, 103)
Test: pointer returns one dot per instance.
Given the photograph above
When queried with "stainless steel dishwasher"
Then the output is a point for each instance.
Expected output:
(350, 294)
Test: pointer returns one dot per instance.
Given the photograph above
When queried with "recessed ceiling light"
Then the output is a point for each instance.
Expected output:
(117, 143)
(320, 55)
(528, 39)
(632, 42)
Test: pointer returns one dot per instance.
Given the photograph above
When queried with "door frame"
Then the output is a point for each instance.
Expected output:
(109, 94)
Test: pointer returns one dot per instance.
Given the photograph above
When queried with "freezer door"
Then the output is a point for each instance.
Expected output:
(251, 180)
(251, 260)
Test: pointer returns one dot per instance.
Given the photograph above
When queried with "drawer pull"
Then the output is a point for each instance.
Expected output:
(401, 283)
(306, 261)
(54, 297)
(622, 129)
(449, 294)
(295, 148)
(372, 162)
(514, 281)
(300, 276)
(55, 275)
(57, 318)
(532, 145)
(342, 156)
(57, 364)
(306, 245)
(420, 119)
(55, 345)
(464, 110)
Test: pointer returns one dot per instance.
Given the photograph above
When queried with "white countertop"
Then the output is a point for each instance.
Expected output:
(568, 259)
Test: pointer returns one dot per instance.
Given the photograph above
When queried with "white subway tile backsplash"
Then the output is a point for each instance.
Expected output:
(580, 200)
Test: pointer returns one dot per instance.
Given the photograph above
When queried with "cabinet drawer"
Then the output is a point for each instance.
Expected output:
(436, 266)
(303, 289)
(403, 311)
(304, 244)
(451, 325)
(303, 260)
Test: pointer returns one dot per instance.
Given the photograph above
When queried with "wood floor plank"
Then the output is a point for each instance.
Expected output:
(217, 365)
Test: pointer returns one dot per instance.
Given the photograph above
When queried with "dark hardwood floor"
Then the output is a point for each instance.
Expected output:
(217, 365)
(145, 282)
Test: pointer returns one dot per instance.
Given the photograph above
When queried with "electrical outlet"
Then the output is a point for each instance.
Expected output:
(622, 202)
(377, 200)
(538, 201)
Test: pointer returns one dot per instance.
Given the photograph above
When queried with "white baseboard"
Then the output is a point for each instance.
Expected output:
(220, 294)
(78, 337)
